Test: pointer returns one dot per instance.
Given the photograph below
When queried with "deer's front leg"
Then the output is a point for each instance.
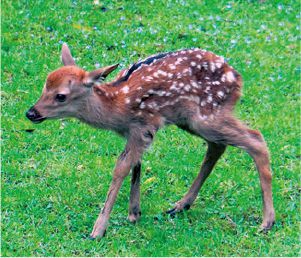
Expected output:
(122, 169)
(139, 140)
(134, 207)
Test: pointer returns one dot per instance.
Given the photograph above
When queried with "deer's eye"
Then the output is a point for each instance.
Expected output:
(60, 97)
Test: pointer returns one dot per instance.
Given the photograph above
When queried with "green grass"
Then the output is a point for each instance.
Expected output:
(55, 179)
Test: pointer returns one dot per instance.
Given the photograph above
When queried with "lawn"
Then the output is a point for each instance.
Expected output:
(55, 175)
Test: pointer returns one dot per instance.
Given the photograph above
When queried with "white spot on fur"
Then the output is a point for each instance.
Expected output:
(221, 94)
(212, 67)
(137, 100)
(187, 87)
(153, 105)
(170, 75)
(179, 60)
(149, 78)
(208, 88)
(199, 56)
(216, 83)
(172, 66)
(209, 99)
(194, 84)
(186, 70)
(230, 76)
(125, 89)
(156, 74)
(218, 65)
(223, 78)
(162, 72)
(142, 105)
(174, 87)
(203, 103)
(127, 100)
(203, 117)
(193, 63)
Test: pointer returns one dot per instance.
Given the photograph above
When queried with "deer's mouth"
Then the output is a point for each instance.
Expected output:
(38, 120)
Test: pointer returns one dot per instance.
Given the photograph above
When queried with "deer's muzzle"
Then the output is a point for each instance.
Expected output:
(34, 116)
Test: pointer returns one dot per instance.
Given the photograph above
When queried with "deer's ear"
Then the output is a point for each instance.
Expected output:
(99, 75)
(66, 57)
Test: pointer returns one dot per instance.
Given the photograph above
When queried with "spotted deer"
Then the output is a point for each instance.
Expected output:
(193, 89)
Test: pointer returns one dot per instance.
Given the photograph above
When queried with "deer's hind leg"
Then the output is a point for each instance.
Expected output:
(214, 152)
(230, 131)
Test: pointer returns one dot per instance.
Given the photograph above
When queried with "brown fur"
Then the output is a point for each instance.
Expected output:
(57, 77)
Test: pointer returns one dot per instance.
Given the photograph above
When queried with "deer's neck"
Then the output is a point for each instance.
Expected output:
(102, 109)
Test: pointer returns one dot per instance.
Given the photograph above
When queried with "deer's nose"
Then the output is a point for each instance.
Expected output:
(32, 114)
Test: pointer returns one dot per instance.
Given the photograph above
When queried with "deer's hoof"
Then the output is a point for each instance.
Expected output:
(97, 237)
(268, 221)
(172, 213)
(266, 226)
(134, 217)
(179, 208)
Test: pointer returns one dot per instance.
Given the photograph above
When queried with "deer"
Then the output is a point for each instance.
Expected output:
(193, 89)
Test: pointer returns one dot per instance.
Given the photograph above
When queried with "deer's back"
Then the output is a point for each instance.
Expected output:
(178, 84)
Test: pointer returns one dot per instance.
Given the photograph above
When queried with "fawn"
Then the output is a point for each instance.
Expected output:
(192, 89)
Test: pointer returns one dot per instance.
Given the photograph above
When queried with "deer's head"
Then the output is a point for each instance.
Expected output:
(66, 89)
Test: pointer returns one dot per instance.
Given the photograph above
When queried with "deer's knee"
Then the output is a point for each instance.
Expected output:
(256, 135)
(123, 166)
(257, 148)
(256, 144)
